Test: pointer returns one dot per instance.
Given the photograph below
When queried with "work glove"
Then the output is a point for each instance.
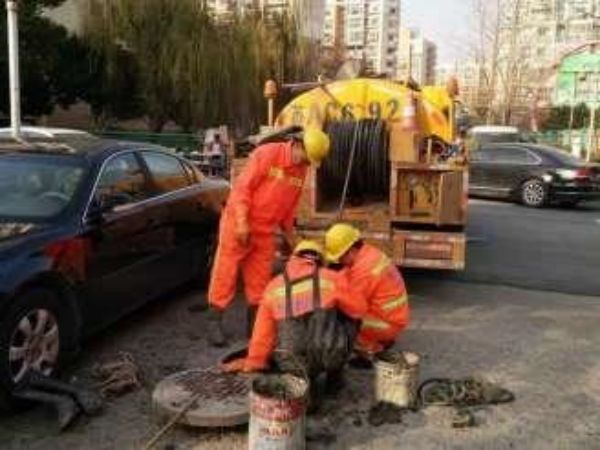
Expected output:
(242, 228)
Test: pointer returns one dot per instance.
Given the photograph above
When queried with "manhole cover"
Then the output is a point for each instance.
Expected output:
(223, 398)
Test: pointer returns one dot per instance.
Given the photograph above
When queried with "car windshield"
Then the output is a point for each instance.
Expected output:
(36, 187)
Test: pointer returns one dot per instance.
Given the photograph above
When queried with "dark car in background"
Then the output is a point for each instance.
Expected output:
(534, 175)
(90, 230)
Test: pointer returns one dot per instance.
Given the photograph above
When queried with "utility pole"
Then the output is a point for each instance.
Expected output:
(12, 9)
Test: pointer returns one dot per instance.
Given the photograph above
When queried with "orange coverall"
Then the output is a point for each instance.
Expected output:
(335, 293)
(375, 277)
(266, 193)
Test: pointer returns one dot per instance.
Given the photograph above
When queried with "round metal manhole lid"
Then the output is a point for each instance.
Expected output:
(223, 399)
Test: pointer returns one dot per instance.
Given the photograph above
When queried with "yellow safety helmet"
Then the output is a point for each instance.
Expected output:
(316, 145)
(308, 245)
(339, 239)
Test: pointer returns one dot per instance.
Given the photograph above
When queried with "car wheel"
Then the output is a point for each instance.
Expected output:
(534, 193)
(37, 333)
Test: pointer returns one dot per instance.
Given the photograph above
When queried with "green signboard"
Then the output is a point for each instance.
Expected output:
(578, 80)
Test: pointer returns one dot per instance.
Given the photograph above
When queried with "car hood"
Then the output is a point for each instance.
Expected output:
(13, 230)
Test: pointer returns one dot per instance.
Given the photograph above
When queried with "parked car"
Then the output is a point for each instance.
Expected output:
(482, 135)
(532, 174)
(90, 230)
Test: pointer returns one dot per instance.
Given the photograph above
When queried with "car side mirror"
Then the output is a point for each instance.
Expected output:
(100, 207)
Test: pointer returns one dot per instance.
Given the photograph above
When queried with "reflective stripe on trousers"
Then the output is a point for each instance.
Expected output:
(374, 323)
(395, 303)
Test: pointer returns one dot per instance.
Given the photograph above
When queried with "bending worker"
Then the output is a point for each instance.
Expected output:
(263, 199)
(306, 322)
(374, 277)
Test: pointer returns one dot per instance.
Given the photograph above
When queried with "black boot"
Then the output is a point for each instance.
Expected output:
(89, 401)
(334, 382)
(216, 335)
(66, 408)
(250, 319)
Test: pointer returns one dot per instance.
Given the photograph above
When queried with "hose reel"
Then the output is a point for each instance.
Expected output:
(370, 169)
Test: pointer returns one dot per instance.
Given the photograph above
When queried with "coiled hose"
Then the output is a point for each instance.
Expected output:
(369, 179)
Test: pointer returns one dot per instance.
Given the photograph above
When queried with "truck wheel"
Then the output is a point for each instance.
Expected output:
(37, 333)
(534, 193)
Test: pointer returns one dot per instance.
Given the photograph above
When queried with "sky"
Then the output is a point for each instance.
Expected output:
(445, 22)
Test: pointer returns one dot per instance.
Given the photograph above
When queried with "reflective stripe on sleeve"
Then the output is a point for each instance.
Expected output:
(383, 263)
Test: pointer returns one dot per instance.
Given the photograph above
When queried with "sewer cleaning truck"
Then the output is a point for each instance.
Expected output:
(396, 169)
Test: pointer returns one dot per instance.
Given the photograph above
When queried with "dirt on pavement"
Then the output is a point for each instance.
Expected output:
(541, 346)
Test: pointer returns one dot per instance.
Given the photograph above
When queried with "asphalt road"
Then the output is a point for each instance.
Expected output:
(548, 249)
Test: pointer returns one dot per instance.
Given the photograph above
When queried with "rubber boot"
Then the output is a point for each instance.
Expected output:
(334, 382)
(66, 408)
(250, 319)
(216, 335)
(90, 402)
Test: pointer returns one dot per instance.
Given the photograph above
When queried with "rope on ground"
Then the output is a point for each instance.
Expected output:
(118, 376)
(462, 394)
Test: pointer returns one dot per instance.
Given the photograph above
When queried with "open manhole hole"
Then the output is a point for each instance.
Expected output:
(223, 399)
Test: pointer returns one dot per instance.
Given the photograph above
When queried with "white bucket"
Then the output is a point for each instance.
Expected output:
(397, 378)
(278, 423)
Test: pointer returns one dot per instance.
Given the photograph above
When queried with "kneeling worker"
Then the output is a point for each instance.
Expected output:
(374, 277)
(306, 321)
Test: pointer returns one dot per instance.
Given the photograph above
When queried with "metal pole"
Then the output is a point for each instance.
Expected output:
(12, 8)
(592, 136)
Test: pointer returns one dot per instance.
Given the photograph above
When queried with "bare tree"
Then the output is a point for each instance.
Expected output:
(485, 51)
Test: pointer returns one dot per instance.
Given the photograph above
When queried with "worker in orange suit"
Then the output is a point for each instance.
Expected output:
(287, 325)
(375, 278)
(263, 200)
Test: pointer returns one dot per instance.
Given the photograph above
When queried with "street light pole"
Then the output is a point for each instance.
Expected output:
(12, 9)
(592, 141)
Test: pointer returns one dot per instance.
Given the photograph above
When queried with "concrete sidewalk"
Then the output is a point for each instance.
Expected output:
(542, 346)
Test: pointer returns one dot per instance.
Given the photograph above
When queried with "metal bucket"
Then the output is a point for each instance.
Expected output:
(277, 413)
(397, 378)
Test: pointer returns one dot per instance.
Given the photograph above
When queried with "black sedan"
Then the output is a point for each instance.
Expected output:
(534, 175)
(89, 231)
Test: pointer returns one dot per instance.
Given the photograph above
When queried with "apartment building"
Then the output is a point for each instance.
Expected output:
(541, 31)
(368, 30)
(309, 12)
(533, 37)
(417, 57)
